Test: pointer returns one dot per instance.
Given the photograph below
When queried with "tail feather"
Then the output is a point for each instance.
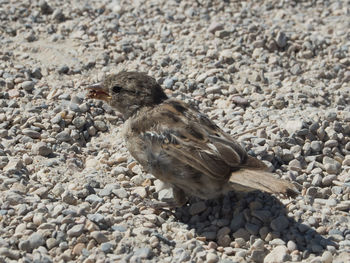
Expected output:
(250, 180)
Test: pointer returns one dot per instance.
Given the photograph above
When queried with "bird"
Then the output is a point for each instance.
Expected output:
(180, 145)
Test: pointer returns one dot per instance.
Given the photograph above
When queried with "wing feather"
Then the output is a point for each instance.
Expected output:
(192, 138)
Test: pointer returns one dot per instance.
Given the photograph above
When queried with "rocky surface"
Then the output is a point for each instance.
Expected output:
(69, 190)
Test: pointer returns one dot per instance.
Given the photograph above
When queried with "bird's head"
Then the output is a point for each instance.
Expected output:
(127, 92)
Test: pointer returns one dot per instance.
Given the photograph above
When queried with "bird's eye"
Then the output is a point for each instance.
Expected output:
(116, 89)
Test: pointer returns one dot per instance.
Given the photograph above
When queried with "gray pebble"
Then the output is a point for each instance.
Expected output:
(42, 149)
(143, 253)
(197, 208)
(281, 39)
(69, 198)
(280, 223)
(121, 193)
(100, 125)
(106, 247)
(36, 240)
(28, 85)
(76, 230)
(168, 83)
(278, 254)
(99, 237)
(93, 198)
(241, 233)
(63, 136)
(31, 133)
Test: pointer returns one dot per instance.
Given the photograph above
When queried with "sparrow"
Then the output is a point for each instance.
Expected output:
(180, 145)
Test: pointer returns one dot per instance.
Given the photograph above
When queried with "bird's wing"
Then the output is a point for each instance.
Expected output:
(193, 139)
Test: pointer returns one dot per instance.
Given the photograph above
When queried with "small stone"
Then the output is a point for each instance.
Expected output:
(240, 101)
(3, 161)
(280, 223)
(79, 122)
(121, 193)
(263, 215)
(332, 166)
(331, 116)
(78, 248)
(317, 180)
(197, 208)
(45, 8)
(295, 165)
(93, 198)
(140, 191)
(69, 198)
(226, 56)
(63, 136)
(212, 258)
(58, 15)
(27, 159)
(28, 85)
(24, 245)
(224, 240)
(277, 255)
(14, 165)
(296, 69)
(76, 230)
(31, 133)
(9, 253)
(30, 36)
(36, 240)
(168, 83)
(222, 33)
(281, 39)
(51, 242)
(331, 143)
(42, 149)
(63, 69)
(311, 191)
(106, 247)
(215, 26)
(99, 236)
(143, 253)
(328, 180)
(316, 146)
(291, 245)
(100, 125)
(241, 233)
(327, 257)
(258, 244)
(166, 195)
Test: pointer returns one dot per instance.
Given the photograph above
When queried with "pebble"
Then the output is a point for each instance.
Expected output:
(212, 258)
(63, 136)
(42, 149)
(99, 237)
(241, 233)
(277, 255)
(93, 198)
(143, 253)
(197, 208)
(76, 230)
(280, 223)
(101, 126)
(291, 245)
(35, 240)
(31, 133)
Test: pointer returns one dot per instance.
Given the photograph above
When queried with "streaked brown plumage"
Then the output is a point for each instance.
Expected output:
(181, 146)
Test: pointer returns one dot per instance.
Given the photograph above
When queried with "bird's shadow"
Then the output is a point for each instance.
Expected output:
(257, 215)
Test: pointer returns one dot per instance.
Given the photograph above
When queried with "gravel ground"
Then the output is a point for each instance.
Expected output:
(69, 190)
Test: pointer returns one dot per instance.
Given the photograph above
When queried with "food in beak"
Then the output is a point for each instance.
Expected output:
(97, 91)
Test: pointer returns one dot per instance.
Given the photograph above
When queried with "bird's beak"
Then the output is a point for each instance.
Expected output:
(98, 91)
